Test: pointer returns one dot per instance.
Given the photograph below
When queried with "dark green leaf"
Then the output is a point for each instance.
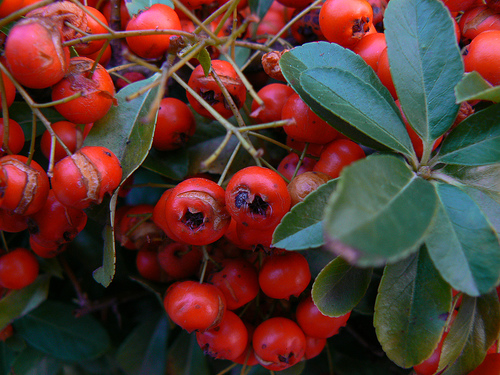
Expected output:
(425, 64)
(171, 164)
(185, 357)
(22, 114)
(380, 211)
(7, 356)
(260, 7)
(135, 6)
(321, 55)
(474, 87)
(53, 329)
(475, 141)
(474, 330)
(339, 287)
(34, 362)
(301, 228)
(360, 104)
(20, 302)
(144, 350)
(411, 309)
(463, 244)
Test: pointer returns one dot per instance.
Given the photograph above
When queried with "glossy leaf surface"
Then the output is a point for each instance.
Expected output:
(463, 244)
(339, 287)
(379, 213)
(474, 87)
(411, 309)
(425, 64)
(475, 141)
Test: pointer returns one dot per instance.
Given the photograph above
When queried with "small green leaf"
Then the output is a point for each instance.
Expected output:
(474, 87)
(205, 61)
(474, 330)
(349, 97)
(323, 54)
(104, 274)
(53, 329)
(475, 141)
(463, 244)
(135, 6)
(339, 287)
(301, 228)
(411, 309)
(20, 302)
(144, 350)
(426, 64)
(380, 212)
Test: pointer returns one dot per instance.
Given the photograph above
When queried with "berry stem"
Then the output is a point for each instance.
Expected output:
(228, 164)
(206, 257)
(5, 115)
(21, 12)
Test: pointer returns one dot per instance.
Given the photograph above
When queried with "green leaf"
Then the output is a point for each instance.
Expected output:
(301, 228)
(475, 141)
(411, 310)
(324, 54)
(259, 7)
(22, 114)
(349, 97)
(104, 274)
(186, 357)
(34, 362)
(339, 287)
(463, 244)
(20, 302)
(128, 132)
(379, 213)
(487, 203)
(426, 64)
(474, 330)
(144, 350)
(474, 87)
(205, 61)
(486, 177)
(170, 164)
(53, 329)
(126, 129)
(135, 6)
(7, 357)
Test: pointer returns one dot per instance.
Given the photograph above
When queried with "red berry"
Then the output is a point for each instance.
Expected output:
(18, 269)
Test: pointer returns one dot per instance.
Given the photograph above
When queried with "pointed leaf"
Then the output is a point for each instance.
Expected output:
(260, 7)
(379, 213)
(301, 228)
(463, 244)
(20, 302)
(474, 87)
(135, 6)
(425, 63)
(53, 329)
(339, 287)
(411, 309)
(475, 141)
(474, 330)
(127, 130)
(324, 54)
(144, 350)
(360, 104)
